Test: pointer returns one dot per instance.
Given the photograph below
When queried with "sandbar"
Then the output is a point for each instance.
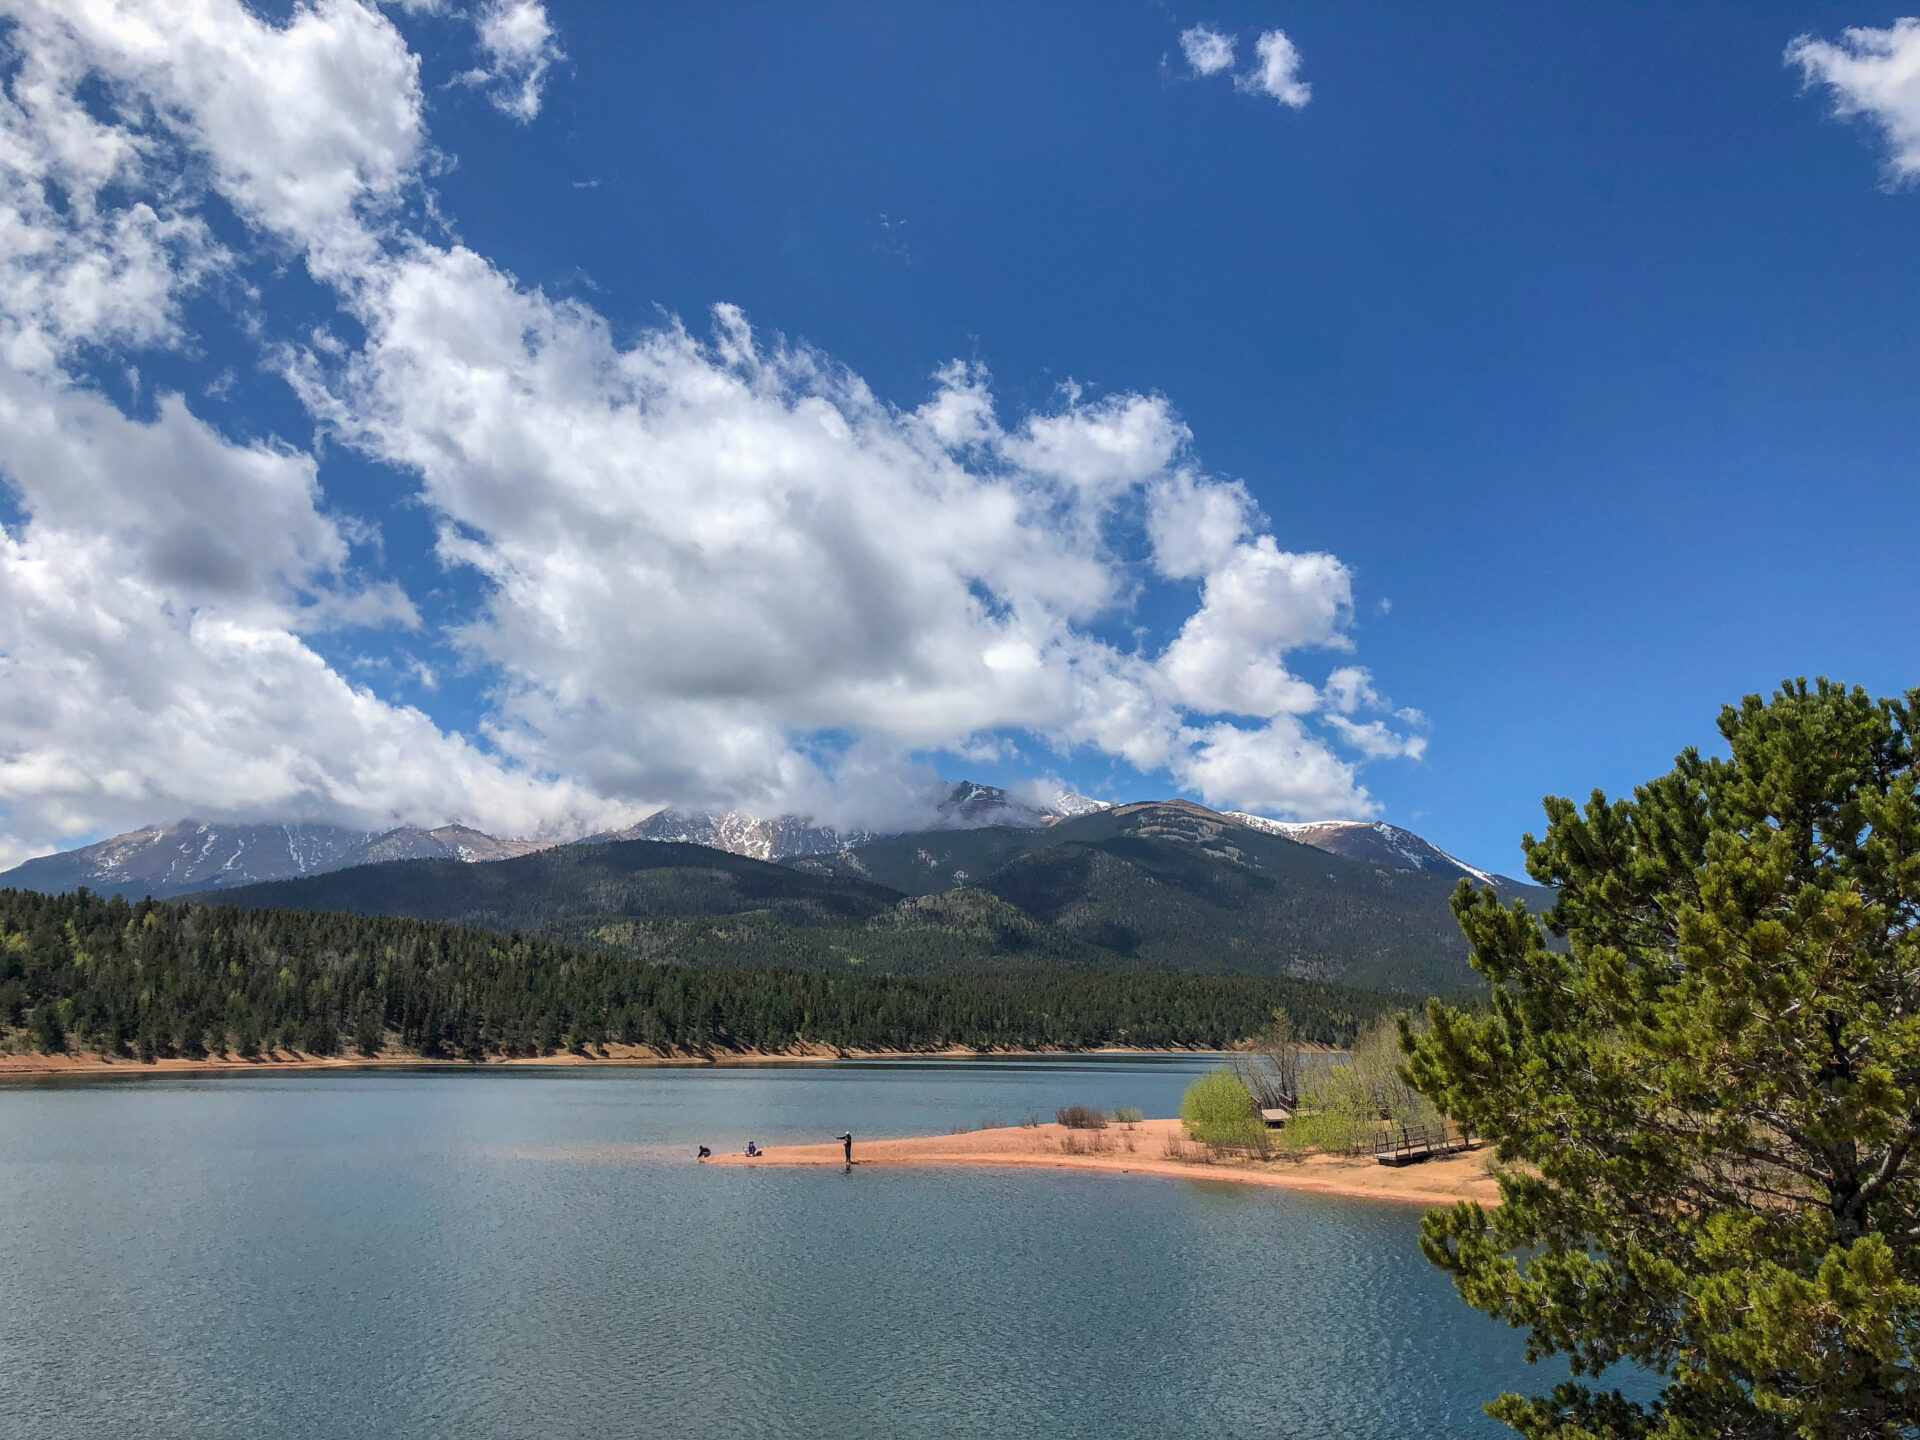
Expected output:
(1157, 1147)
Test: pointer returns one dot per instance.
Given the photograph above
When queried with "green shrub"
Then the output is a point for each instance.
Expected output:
(1218, 1110)
(1128, 1115)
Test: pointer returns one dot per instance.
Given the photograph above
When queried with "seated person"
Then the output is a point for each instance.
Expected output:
(752, 1149)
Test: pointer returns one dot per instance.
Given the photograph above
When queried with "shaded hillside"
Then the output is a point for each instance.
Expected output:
(1182, 887)
(569, 883)
(1175, 885)
(937, 934)
(690, 905)
(1157, 886)
(156, 979)
(929, 863)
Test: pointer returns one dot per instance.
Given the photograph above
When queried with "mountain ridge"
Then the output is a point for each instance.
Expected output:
(1159, 885)
(979, 829)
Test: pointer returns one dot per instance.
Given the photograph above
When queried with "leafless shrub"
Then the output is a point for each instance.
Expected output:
(1178, 1148)
(1081, 1117)
(1032, 1122)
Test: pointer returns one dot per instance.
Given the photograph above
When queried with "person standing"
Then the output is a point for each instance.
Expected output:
(847, 1140)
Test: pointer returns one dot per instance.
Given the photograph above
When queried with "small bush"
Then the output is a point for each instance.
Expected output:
(1032, 1122)
(1127, 1115)
(1218, 1110)
(1081, 1117)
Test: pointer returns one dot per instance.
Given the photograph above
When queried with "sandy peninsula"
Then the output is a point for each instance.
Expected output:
(1156, 1147)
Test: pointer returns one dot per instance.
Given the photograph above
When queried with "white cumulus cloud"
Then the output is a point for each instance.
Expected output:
(1277, 71)
(714, 566)
(1874, 75)
(1208, 52)
(519, 46)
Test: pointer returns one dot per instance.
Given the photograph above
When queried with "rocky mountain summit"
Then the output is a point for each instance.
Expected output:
(965, 806)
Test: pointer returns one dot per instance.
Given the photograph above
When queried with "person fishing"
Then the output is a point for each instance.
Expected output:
(847, 1140)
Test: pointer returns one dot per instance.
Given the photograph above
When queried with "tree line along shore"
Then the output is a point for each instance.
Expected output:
(157, 981)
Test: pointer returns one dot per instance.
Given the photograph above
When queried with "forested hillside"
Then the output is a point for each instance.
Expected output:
(931, 863)
(1176, 886)
(1242, 902)
(570, 883)
(930, 935)
(1160, 886)
(156, 979)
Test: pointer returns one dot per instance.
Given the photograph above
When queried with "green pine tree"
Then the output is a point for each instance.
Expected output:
(1708, 1098)
(369, 1030)
(49, 1028)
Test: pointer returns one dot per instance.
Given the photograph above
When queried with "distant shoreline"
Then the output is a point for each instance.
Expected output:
(42, 1067)
(1153, 1148)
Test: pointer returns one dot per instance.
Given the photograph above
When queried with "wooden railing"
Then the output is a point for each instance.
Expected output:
(1405, 1144)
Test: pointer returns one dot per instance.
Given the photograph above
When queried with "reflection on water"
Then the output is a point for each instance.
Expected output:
(436, 1253)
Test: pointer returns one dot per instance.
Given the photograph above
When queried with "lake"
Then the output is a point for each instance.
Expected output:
(533, 1253)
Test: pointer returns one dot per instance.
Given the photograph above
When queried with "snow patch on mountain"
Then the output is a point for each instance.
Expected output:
(1369, 840)
(1068, 806)
(966, 805)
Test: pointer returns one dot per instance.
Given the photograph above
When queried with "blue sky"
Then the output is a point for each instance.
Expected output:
(1583, 340)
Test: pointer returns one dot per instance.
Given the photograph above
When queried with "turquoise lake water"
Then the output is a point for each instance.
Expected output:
(534, 1253)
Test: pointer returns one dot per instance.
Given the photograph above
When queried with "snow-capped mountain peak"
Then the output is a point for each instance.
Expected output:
(1068, 805)
(1371, 841)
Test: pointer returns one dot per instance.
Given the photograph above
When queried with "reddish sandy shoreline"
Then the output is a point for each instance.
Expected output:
(36, 1066)
(1158, 1147)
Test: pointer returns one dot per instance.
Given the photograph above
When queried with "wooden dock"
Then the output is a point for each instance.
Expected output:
(1409, 1145)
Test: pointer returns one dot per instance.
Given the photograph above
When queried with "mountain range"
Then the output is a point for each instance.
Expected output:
(188, 856)
(1155, 886)
(975, 828)
(191, 855)
(965, 806)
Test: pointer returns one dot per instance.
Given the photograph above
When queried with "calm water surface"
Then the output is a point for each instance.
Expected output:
(533, 1253)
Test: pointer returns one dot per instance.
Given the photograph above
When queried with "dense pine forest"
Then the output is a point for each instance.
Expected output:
(155, 979)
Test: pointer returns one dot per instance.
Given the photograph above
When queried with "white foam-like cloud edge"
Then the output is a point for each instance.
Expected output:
(1872, 74)
(718, 569)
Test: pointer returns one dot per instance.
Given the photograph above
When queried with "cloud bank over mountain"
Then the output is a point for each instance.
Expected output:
(714, 567)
